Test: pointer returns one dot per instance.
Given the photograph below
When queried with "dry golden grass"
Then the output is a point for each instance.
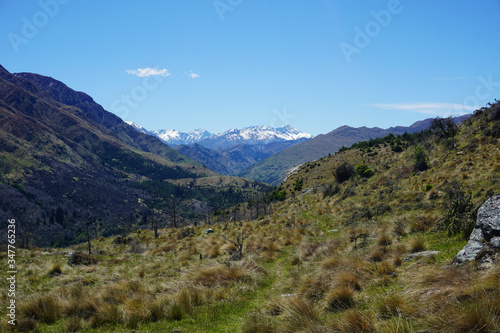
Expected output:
(258, 323)
(340, 298)
(73, 324)
(301, 315)
(221, 275)
(347, 280)
(354, 321)
(55, 269)
(417, 245)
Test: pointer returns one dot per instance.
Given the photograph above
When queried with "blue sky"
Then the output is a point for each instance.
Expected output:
(222, 64)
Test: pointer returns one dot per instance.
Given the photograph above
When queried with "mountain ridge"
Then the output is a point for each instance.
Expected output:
(274, 168)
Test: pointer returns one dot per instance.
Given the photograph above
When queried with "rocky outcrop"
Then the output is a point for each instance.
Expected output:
(421, 254)
(485, 237)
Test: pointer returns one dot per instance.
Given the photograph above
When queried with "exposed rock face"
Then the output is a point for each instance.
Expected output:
(486, 235)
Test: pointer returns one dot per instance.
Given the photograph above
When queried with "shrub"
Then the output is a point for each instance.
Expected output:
(363, 170)
(421, 160)
(330, 190)
(381, 209)
(443, 127)
(81, 259)
(297, 186)
(344, 172)
(461, 212)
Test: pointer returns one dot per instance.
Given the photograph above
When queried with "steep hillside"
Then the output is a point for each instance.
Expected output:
(64, 167)
(360, 241)
(273, 169)
(103, 120)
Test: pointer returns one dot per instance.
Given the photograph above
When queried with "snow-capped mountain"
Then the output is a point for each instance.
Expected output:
(139, 128)
(175, 138)
(253, 135)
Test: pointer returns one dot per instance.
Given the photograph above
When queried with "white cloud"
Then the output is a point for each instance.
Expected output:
(193, 75)
(143, 72)
(436, 109)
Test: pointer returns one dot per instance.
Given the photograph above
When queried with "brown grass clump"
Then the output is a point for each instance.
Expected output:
(384, 240)
(73, 324)
(295, 261)
(339, 299)
(385, 268)
(417, 245)
(188, 298)
(80, 307)
(55, 269)
(348, 280)
(354, 321)
(301, 315)
(220, 275)
(391, 306)
(257, 323)
(214, 251)
(399, 229)
(331, 263)
(107, 313)
(376, 255)
(274, 307)
(314, 288)
(469, 318)
(135, 311)
(45, 308)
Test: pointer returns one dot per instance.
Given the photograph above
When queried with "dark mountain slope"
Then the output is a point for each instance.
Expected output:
(106, 121)
(61, 170)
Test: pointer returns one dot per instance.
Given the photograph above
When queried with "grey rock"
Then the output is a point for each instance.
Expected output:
(421, 254)
(486, 234)
(208, 231)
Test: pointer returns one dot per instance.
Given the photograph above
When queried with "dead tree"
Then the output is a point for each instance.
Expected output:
(238, 254)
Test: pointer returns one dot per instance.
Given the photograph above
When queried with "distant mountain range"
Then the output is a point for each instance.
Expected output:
(232, 151)
(267, 154)
(252, 135)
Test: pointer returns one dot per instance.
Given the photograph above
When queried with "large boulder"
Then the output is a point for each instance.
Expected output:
(485, 237)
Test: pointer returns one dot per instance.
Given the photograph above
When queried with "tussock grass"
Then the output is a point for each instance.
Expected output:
(354, 321)
(301, 315)
(258, 323)
(352, 279)
(55, 269)
(340, 298)
(45, 308)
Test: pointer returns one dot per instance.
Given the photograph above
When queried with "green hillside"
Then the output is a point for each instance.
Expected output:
(273, 169)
